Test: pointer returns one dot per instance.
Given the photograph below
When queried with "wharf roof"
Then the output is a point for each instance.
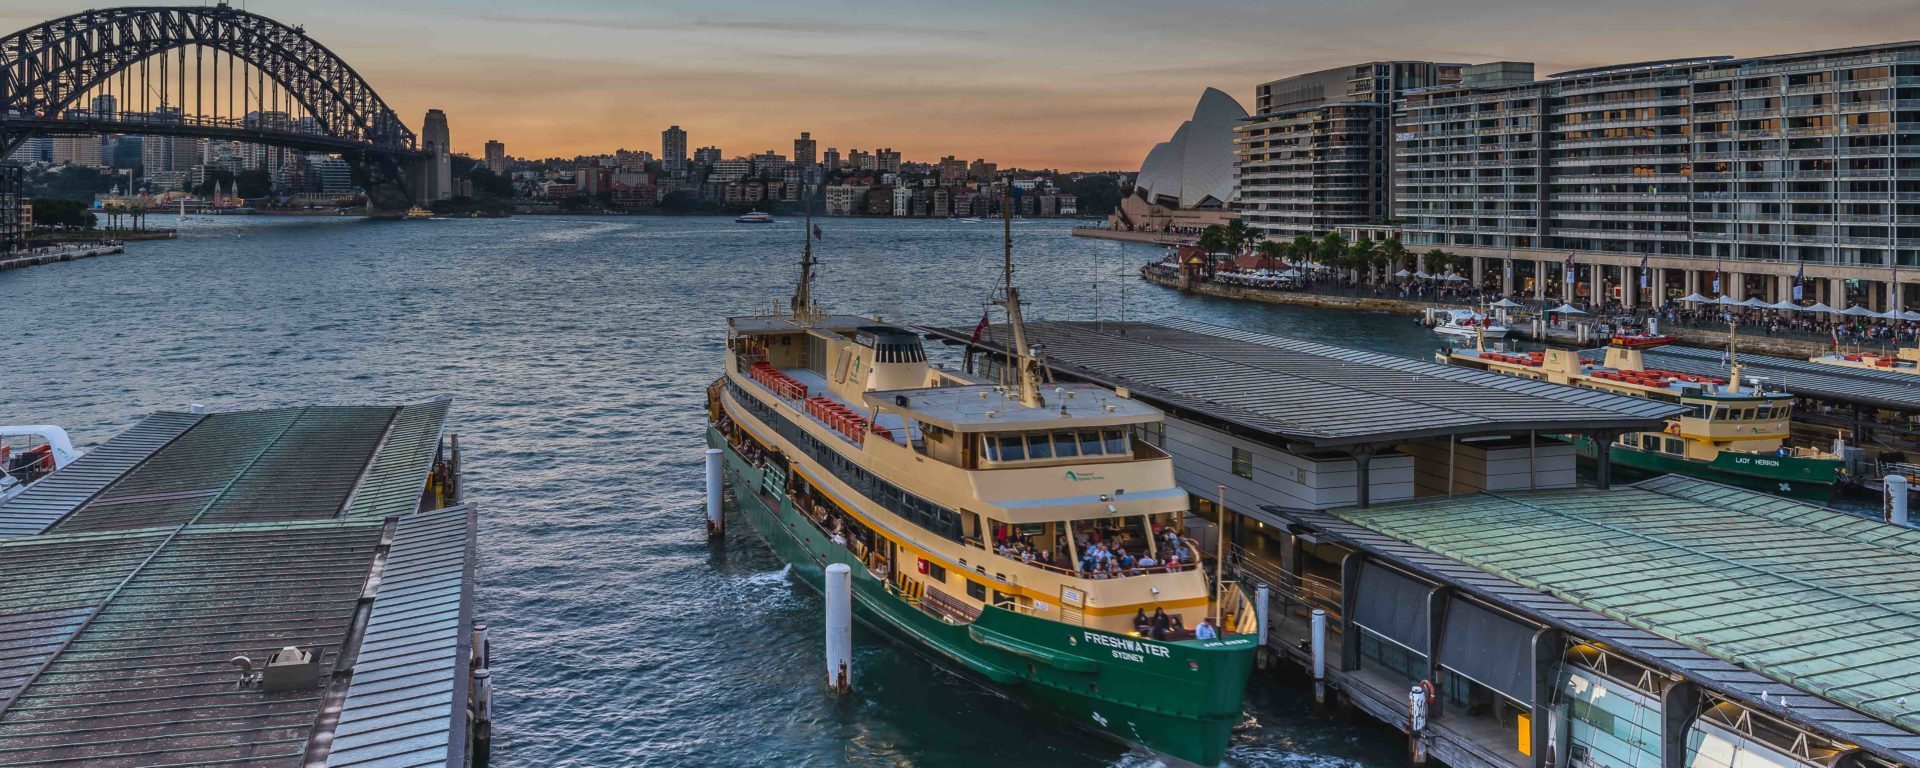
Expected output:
(987, 408)
(247, 466)
(116, 639)
(1313, 394)
(1738, 590)
(1835, 383)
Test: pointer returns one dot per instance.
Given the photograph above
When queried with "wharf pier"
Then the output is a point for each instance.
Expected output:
(1147, 238)
(54, 253)
(1455, 550)
(282, 587)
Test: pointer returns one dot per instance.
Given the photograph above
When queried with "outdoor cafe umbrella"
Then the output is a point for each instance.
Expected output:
(1694, 298)
(1859, 311)
(1567, 309)
(1783, 304)
(1422, 274)
(1403, 273)
(1910, 315)
(1729, 301)
(1756, 302)
(1454, 278)
(1507, 304)
(1818, 307)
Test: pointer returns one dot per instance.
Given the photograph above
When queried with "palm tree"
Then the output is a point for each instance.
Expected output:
(1394, 252)
(1333, 251)
(1213, 240)
(1269, 251)
(1238, 235)
(1362, 253)
(1301, 249)
(1438, 260)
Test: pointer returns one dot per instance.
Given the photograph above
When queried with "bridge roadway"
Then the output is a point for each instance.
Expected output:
(197, 127)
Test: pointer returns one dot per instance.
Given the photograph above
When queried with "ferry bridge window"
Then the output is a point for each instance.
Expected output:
(1720, 413)
(1039, 447)
(1065, 445)
(1674, 446)
(1116, 440)
(1012, 448)
(1090, 444)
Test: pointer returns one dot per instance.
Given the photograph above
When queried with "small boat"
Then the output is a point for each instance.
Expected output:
(1466, 323)
(418, 212)
(29, 453)
(755, 217)
(970, 220)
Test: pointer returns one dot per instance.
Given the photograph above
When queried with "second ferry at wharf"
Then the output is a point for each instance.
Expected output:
(1014, 530)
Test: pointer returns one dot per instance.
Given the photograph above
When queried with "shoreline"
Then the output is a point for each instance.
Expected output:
(1690, 337)
(1143, 238)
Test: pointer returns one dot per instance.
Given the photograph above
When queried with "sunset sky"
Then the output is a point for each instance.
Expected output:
(1073, 85)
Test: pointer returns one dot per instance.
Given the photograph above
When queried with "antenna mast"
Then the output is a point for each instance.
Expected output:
(1027, 378)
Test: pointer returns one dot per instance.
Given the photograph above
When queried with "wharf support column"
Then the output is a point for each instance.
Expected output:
(839, 612)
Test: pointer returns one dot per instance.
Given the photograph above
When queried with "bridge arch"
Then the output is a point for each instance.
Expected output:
(46, 68)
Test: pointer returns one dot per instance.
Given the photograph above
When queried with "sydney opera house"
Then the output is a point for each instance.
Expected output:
(1186, 182)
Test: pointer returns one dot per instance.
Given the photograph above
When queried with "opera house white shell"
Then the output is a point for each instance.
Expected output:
(1194, 169)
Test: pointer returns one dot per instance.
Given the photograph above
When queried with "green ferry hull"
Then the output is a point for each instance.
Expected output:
(1793, 477)
(1178, 699)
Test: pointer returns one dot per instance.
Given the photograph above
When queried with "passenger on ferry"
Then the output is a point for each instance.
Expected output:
(1161, 624)
(1140, 621)
(1206, 631)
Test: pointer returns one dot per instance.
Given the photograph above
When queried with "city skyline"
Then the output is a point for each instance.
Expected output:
(996, 81)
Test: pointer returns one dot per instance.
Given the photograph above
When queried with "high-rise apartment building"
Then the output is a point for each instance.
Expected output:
(952, 170)
(803, 149)
(83, 150)
(706, 155)
(673, 149)
(860, 160)
(769, 164)
(982, 170)
(496, 156)
(831, 159)
(1317, 153)
(887, 161)
(1758, 170)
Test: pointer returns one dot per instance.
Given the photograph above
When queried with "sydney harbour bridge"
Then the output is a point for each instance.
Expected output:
(207, 72)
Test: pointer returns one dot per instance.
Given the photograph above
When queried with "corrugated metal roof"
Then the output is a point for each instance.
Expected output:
(147, 680)
(1800, 377)
(1823, 601)
(1664, 654)
(1318, 394)
(49, 501)
(406, 705)
(394, 481)
(51, 585)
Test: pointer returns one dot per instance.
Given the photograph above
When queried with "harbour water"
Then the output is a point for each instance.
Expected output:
(578, 351)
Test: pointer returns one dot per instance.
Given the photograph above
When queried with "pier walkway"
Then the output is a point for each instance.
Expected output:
(53, 253)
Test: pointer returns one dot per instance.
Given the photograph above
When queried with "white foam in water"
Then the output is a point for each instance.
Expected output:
(771, 577)
(1252, 756)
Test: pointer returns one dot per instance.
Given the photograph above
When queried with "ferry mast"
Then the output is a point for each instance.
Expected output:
(1027, 365)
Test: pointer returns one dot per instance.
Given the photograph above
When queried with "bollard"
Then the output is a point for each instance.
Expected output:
(1260, 596)
(839, 628)
(1894, 507)
(1416, 723)
(716, 523)
(1319, 656)
(482, 703)
(482, 651)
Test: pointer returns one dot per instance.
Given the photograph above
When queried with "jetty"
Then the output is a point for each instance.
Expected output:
(1425, 552)
(63, 252)
(284, 587)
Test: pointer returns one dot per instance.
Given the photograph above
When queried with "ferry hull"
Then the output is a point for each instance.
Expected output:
(1181, 705)
(1798, 478)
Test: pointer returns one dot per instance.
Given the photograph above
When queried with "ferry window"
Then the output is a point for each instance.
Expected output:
(1720, 413)
(1012, 448)
(1243, 463)
(936, 573)
(1763, 412)
(976, 590)
(1090, 444)
(1065, 446)
(1155, 433)
(990, 446)
(1116, 441)
(1674, 446)
(1038, 446)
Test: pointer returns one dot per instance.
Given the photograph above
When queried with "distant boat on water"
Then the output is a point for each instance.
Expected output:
(755, 217)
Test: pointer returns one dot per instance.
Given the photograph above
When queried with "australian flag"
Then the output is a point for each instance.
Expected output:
(1644, 275)
(1799, 278)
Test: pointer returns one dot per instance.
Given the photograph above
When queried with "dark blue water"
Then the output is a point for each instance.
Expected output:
(578, 351)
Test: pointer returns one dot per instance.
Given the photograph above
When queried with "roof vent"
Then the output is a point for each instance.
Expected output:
(288, 669)
(901, 400)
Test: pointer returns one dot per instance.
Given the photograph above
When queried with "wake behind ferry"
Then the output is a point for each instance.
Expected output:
(1014, 530)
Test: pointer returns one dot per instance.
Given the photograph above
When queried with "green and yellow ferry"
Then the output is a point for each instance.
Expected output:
(974, 515)
(1735, 432)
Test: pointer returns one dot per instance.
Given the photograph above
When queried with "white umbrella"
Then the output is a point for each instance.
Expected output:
(1728, 301)
(1859, 311)
(1453, 278)
(1783, 305)
(1507, 304)
(1403, 273)
(1422, 274)
(1290, 273)
(1567, 309)
(1755, 302)
(1694, 298)
(1910, 315)
(1818, 307)
(1891, 314)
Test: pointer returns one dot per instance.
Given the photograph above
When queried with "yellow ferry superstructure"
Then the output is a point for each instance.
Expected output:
(1733, 431)
(863, 402)
(1903, 360)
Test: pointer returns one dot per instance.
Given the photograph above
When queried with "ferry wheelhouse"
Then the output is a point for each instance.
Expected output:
(1016, 530)
(1735, 432)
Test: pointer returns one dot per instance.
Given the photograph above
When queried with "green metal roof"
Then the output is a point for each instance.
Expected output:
(1820, 600)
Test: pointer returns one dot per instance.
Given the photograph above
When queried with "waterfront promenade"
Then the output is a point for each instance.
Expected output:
(63, 252)
(1149, 238)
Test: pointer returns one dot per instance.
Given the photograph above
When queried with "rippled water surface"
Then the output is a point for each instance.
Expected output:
(577, 351)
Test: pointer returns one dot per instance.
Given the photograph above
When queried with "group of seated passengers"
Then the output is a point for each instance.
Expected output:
(1104, 562)
(1012, 544)
(1164, 627)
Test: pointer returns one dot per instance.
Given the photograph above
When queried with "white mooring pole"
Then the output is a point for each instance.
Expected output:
(1894, 508)
(716, 523)
(1260, 597)
(839, 628)
(1319, 656)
